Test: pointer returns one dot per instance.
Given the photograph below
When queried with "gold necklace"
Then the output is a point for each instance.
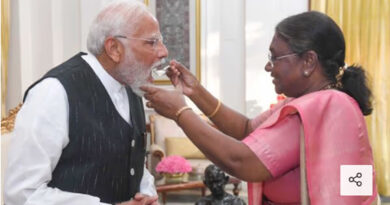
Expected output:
(329, 86)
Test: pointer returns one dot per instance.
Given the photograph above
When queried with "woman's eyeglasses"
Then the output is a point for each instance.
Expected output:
(272, 59)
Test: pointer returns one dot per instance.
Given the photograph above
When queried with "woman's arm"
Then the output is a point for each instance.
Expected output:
(229, 154)
(230, 122)
(227, 120)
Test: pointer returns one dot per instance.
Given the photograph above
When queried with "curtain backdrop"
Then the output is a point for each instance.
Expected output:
(366, 27)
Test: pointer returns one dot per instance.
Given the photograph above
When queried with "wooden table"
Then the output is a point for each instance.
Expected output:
(163, 189)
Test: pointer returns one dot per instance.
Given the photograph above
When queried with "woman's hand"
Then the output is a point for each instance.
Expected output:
(180, 75)
(165, 102)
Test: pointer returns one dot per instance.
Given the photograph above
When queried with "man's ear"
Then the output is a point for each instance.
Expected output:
(114, 49)
(310, 62)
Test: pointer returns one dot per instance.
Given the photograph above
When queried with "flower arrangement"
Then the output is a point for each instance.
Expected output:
(173, 165)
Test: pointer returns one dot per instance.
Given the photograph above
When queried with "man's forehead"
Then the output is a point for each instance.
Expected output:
(147, 27)
(156, 35)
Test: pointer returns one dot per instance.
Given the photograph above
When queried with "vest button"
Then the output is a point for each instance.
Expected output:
(132, 143)
(132, 172)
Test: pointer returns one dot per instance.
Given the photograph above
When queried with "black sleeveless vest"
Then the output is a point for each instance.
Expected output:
(105, 155)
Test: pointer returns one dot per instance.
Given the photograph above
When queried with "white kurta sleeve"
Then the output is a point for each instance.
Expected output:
(40, 134)
(147, 184)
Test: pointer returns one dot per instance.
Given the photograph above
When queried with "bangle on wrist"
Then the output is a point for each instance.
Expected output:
(180, 111)
(216, 110)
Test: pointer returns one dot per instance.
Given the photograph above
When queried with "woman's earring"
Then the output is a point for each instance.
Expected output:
(306, 73)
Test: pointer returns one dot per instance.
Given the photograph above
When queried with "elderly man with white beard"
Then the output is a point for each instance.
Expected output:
(79, 137)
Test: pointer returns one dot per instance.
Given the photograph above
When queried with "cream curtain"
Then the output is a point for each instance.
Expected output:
(366, 27)
(4, 52)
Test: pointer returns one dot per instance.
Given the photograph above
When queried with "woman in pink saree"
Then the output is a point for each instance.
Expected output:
(326, 98)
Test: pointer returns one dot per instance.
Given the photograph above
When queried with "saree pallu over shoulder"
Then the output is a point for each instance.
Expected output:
(335, 134)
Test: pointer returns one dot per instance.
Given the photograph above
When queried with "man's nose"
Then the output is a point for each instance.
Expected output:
(162, 51)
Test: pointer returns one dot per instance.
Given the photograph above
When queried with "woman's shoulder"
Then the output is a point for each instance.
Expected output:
(326, 103)
(323, 98)
(314, 104)
(258, 120)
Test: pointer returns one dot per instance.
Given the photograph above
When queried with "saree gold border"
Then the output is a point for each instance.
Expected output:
(197, 44)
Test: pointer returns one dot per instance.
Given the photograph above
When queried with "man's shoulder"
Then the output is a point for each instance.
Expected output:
(69, 66)
(67, 70)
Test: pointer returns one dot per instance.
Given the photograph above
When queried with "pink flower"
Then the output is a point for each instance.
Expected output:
(173, 164)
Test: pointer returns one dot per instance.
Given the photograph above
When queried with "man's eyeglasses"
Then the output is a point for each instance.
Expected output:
(272, 59)
(152, 41)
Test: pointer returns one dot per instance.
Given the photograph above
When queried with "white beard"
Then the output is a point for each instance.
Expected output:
(134, 73)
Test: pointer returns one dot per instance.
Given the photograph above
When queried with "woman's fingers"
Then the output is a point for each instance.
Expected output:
(149, 89)
(173, 74)
(179, 67)
(173, 77)
(172, 71)
(150, 92)
(179, 87)
(165, 102)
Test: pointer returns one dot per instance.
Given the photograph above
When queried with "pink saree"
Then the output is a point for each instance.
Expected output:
(335, 134)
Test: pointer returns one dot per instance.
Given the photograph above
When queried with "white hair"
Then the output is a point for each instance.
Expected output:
(117, 18)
